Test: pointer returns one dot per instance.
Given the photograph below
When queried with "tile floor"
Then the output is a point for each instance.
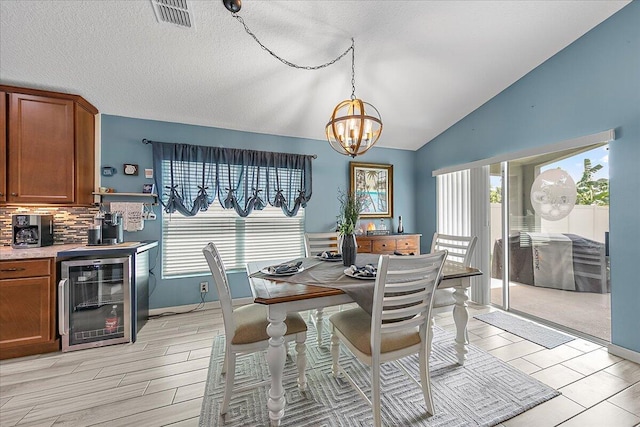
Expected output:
(159, 380)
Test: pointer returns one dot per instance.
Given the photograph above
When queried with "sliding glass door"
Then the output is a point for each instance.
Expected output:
(549, 222)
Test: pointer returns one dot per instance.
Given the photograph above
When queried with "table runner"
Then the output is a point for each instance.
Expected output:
(331, 275)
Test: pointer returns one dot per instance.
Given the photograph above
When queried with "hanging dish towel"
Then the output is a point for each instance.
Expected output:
(131, 214)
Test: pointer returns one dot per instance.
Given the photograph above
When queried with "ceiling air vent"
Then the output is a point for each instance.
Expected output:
(173, 12)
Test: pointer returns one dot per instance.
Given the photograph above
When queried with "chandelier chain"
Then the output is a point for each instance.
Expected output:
(353, 69)
(289, 63)
(350, 131)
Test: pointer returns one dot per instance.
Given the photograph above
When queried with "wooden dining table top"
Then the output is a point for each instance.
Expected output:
(270, 290)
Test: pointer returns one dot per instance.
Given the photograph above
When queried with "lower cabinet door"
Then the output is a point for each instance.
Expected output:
(27, 325)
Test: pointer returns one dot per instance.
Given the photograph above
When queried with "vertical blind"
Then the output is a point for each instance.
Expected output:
(463, 210)
(454, 202)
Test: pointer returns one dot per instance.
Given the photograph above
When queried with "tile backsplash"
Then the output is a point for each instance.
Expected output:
(69, 223)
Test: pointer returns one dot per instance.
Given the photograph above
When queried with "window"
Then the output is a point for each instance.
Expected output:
(262, 235)
(264, 194)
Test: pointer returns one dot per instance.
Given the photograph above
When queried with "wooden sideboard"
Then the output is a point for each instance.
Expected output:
(403, 243)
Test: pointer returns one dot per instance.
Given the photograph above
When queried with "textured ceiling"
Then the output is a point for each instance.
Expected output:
(423, 64)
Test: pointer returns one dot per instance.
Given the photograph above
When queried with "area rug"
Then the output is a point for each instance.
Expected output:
(483, 392)
(530, 331)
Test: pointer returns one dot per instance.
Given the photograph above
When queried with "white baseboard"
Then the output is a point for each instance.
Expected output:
(625, 353)
(178, 309)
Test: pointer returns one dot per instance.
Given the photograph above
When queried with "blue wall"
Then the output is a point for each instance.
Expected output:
(122, 143)
(591, 86)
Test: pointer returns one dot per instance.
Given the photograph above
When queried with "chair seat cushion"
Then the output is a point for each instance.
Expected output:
(355, 325)
(443, 298)
(251, 324)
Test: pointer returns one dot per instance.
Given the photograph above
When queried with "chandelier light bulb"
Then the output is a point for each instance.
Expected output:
(362, 124)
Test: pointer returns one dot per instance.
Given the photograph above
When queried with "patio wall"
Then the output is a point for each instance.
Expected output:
(586, 221)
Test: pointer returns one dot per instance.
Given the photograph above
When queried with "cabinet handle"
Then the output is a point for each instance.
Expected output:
(1, 194)
(14, 194)
(11, 270)
(62, 313)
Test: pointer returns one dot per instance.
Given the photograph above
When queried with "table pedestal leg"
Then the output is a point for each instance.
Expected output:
(276, 356)
(461, 317)
(319, 322)
(301, 362)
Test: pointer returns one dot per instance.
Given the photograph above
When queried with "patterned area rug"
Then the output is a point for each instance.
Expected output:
(484, 392)
(530, 331)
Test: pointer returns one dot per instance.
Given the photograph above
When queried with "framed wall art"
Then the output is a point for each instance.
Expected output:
(373, 183)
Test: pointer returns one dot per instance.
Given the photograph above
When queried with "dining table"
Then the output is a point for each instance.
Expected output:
(320, 283)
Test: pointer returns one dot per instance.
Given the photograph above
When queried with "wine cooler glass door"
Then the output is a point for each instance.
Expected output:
(97, 306)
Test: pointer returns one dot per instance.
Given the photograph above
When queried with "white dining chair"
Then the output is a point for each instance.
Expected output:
(399, 324)
(245, 329)
(315, 243)
(460, 250)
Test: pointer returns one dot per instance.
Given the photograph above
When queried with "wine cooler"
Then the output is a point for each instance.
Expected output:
(94, 305)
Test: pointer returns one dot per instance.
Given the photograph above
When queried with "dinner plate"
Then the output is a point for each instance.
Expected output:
(329, 259)
(348, 272)
(288, 273)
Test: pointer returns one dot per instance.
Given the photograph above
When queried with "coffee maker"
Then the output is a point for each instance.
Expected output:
(112, 228)
(31, 231)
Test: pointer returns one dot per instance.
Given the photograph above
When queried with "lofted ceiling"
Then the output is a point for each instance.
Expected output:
(423, 64)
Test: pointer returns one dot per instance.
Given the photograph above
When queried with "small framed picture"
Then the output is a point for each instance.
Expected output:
(130, 169)
(148, 188)
(108, 171)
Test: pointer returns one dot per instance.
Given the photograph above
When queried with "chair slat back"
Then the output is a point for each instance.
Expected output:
(314, 243)
(460, 248)
(219, 274)
(403, 294)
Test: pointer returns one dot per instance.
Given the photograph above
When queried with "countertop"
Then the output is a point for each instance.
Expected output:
(74, 250)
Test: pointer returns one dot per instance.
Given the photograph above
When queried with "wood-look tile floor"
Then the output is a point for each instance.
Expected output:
(160, 379)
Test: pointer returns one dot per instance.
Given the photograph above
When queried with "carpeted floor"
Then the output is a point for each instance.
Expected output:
(586, 312)
(484, 392)
(530, 331)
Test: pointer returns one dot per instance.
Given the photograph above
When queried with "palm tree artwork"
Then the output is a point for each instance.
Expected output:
(372, 184)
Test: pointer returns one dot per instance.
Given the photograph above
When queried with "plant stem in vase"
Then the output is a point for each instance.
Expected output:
(350, 207)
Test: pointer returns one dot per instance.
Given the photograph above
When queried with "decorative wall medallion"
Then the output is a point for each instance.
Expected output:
(130, 169)
(553, 194)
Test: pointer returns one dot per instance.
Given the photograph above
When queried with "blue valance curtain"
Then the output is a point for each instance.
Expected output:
(193, 176)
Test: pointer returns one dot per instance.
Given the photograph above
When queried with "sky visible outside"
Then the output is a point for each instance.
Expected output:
(574, 166)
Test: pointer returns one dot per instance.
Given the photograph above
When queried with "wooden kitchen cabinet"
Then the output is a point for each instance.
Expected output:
(403, 243)
(3, 146)
(50, 147)
(27, 307)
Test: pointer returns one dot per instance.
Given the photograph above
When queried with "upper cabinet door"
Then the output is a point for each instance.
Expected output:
(41, 150)
(3, 146)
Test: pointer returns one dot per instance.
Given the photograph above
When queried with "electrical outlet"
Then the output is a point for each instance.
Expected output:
(204, 287)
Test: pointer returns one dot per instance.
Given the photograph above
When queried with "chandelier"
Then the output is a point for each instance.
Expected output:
(353, 129)
(355, 126)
